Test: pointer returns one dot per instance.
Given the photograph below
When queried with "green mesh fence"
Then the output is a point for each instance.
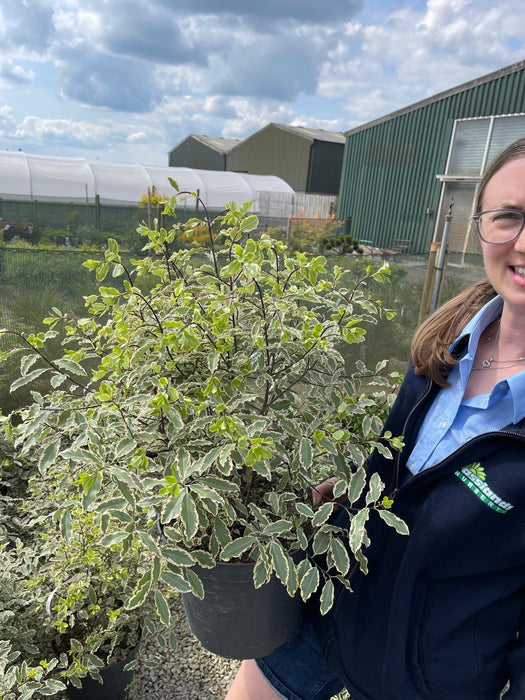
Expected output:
(32, 282)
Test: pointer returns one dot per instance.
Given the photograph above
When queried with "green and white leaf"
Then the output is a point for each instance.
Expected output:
(309, 582)
(322, 514)
(357, 534)
(394, 521)
(374, 489)
(280, 562)
(234, 549)
(189, 515)
(163, 608)
(195, 583)
(357, 484)
(327, 597)
(22, 381)
(340, 556)
(49, 455)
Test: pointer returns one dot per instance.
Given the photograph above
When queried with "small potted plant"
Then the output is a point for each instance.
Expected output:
(62, 592)
(199, 401)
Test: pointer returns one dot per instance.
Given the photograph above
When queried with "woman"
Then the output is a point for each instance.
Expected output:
(441, 614)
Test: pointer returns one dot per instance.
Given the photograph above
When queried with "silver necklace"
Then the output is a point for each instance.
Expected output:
(487, 363)
(504, 364)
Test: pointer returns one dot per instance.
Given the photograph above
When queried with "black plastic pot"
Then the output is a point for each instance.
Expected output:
(238, 621)
(115, 678)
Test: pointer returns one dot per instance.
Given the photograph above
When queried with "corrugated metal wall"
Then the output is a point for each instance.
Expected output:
(191, 153)
(389, 170)
(273, 151)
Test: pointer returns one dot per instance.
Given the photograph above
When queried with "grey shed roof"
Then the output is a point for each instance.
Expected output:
(513, 68)
(311, 134)
(217, 143)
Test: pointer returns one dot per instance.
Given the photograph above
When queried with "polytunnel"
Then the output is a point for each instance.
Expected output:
(26, 177)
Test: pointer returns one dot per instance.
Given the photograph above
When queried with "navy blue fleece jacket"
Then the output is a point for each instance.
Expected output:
(441, 613)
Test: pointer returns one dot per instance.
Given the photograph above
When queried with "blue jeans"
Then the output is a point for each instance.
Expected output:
(297, 670)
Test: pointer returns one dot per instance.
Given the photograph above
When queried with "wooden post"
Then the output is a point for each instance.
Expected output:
(289, 231)
(97, 212)
(430, 278)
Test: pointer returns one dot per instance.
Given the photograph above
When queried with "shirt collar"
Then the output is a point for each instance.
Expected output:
(477, 325)
(472, 332)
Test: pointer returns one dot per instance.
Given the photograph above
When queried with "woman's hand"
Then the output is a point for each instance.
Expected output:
(324, 493)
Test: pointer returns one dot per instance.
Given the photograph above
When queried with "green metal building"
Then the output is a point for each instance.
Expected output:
(402, 172)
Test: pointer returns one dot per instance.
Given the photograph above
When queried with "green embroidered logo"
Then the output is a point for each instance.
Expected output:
(473, 476)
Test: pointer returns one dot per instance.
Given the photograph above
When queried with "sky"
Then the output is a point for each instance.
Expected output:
(125, 81)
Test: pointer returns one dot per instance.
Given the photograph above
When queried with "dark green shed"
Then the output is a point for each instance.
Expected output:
(201, 152)
(401, 171)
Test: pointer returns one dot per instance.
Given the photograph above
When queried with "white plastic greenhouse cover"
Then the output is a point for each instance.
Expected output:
(27, 177)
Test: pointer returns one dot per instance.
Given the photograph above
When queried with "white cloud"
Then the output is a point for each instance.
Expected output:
(36, 128)
(7, 121)
(26, 27)
(136, 137)
(314, 123)
(77, 24)
(252, 115)
(104, 135)
(415, 53)
(132, 78)
(14, 73)
(231, 117)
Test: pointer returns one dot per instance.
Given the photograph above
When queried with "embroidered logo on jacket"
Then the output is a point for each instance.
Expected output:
(473, 476)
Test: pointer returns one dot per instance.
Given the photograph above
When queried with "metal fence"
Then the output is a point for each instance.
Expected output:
(274, 206)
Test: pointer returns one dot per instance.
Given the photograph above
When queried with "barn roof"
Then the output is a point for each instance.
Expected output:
(216, 143)
(311, 134)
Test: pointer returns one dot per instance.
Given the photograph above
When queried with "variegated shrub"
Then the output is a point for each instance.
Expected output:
(200, 399)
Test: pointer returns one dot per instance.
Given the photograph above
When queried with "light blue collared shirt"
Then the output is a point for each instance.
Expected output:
(451, 421)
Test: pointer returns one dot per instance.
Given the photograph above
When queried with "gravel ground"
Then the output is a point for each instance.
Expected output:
(190, 673)
(193, 673)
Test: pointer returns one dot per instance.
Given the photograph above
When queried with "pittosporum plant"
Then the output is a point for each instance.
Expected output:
(201, 398)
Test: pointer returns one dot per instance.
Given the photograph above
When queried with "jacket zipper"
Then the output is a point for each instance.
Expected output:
(407, 419)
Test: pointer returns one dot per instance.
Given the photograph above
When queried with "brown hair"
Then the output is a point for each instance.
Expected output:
(430, 346)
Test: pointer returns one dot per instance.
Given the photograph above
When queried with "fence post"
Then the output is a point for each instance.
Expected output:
(289, 231)
(428, 284)
(97, 212)
(440, 267)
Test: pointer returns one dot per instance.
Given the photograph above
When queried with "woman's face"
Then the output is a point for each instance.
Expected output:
(505, 262)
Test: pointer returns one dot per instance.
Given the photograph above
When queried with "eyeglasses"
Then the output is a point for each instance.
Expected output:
(499, 225)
